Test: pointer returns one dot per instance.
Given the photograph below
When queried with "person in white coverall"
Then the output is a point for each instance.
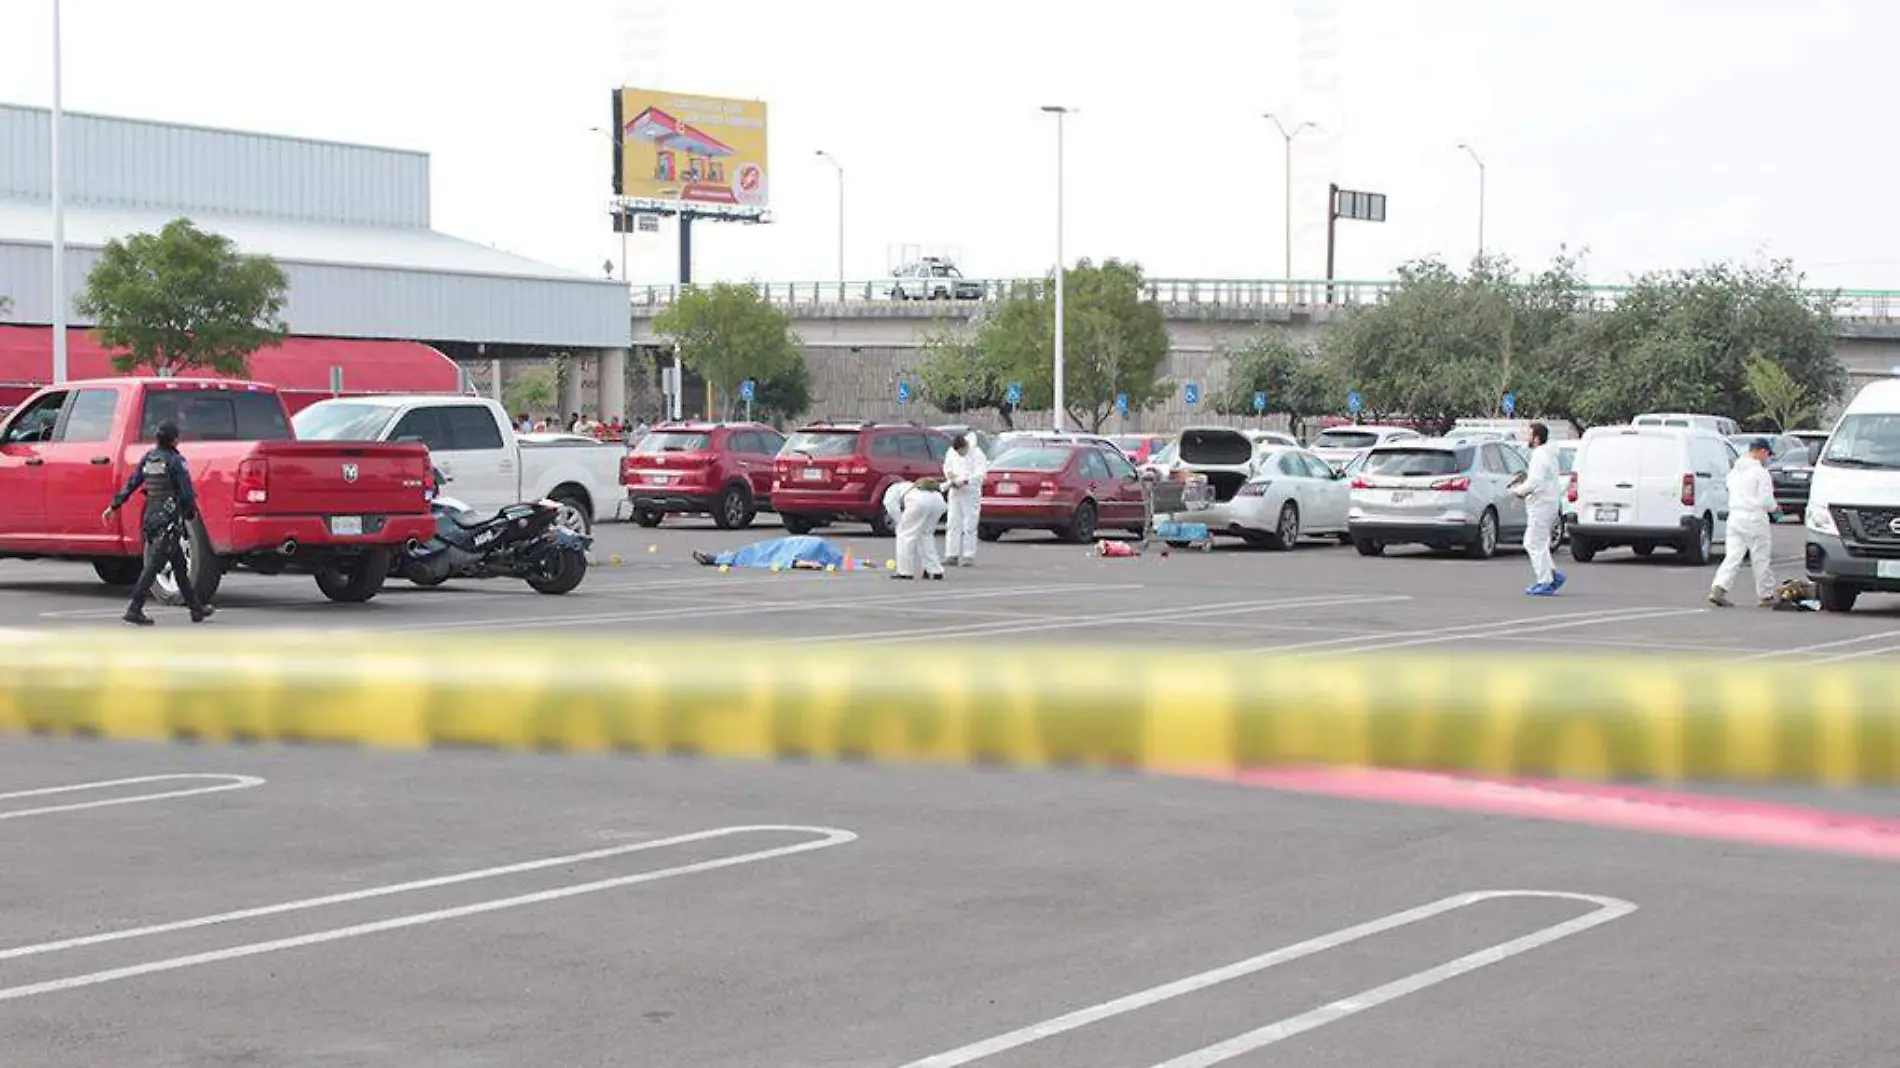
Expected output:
(1751, 509)
(1541, 487)
(915, 509)
(963, 469)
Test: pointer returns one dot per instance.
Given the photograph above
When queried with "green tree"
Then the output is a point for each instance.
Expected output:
(1784, 402)
(1684, 340)
(1115, 342)
(1291, 375)
(728, 333)
(183, 298)
(959, 375)
(783, 397)
(535, 392)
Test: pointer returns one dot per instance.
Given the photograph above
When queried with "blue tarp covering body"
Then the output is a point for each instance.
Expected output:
(803, 551)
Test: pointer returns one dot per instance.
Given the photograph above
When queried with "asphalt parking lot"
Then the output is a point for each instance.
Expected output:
(1321, 599)
(174, 905)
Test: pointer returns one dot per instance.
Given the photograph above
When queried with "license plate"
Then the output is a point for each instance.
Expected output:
(659, 480)
(1401, 496)
(346, 526)
(1008, 489)
(1888, 569)
(1799, 476)
(813, 474)
(1606, 515)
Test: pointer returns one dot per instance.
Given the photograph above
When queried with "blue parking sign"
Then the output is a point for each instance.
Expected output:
(747, 389)
(1014, 394)
(1353, 403)
(1121, 403)
(1192, 392)
(1510, 404)
(903, 393)
(1260, 400)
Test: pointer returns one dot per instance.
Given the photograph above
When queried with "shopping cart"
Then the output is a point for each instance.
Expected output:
(1176, 500)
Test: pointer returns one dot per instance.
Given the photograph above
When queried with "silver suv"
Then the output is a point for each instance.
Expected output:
(1445, 494)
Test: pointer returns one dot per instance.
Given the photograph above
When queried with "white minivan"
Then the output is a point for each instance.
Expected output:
(1719, 424)
(1853, 515)
(1650, 486)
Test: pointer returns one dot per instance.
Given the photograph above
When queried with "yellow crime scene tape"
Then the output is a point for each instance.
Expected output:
(1578, 717)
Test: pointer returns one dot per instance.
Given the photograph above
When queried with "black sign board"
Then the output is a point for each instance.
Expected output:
(1350, 204)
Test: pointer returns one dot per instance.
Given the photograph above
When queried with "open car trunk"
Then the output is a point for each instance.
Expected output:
(1224, 456)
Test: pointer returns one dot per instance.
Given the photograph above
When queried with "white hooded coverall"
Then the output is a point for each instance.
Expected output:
(1751, 501)
(1540, 489)
(915, 513)
(963, 474)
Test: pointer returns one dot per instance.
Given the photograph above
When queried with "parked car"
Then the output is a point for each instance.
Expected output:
(1141, 448)
(1566, 456)
(1222, 455)
(1853, 514)
(933, 278)
(1292, 494)
(1650, 486)
(1267, 438)
(266, 502)
(1071, 489)
(724, 470)
(1814, 440)
(1013, 438)
(1714, 424)
(1339, 444)
(473, 441)
(1789, 466)
(832, 471)
(1439, 493)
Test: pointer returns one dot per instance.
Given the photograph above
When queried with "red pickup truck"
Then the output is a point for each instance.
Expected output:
(266, 502)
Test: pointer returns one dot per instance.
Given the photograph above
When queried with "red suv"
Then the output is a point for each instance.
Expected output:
(832, 471)
(721, 469)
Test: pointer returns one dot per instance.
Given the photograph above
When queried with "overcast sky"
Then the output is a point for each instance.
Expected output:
(1654, 133)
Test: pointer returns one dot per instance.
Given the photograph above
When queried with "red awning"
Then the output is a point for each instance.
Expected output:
(298, 364)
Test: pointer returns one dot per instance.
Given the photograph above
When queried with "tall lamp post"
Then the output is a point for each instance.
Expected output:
(1475, 158)
(1288, 136)
(59, 216)
(838, 167)
(621, 221)
(1060, 113)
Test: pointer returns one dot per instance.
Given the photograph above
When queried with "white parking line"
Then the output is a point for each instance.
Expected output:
(1049, 623)
(1404, 638)
(1608, 909)
(831, 837)
(1806, 649)
(1859, 654)
(225, 782)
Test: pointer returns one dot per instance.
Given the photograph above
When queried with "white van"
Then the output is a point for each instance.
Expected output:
(1689, 421)
(1649, 486)
(1853, 520)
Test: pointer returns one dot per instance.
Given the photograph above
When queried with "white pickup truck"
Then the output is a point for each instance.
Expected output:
(473, 442)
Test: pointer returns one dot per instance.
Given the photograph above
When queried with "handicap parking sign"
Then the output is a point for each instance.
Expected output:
(747, 389)
(1352, 402)
(1192, 392)
(903, 393)
(1014, 395)
(1260, 400)
(1121, 403)
(1510, 404)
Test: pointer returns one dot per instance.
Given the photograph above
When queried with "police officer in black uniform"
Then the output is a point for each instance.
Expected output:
(170, 504)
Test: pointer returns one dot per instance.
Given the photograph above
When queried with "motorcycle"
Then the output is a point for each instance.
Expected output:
(522, 541)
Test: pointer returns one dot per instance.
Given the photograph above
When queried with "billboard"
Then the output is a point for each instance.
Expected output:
(700, 152)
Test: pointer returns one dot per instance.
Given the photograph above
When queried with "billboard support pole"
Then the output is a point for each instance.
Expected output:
(1332, 228)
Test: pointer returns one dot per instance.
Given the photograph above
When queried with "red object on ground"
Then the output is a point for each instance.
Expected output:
(1115, 548)
(1629, 808)
(299, 368)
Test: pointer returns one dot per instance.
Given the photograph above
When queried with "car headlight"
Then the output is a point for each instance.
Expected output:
(1820, 519)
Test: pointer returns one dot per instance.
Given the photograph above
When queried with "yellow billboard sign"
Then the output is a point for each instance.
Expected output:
(690, 150)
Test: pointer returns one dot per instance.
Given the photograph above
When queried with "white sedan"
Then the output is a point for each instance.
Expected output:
(1292, 494)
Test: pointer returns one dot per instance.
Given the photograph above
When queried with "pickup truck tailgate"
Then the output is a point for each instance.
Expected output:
(340, 478)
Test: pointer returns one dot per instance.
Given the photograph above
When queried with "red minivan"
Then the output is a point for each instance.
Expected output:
(718, 469)
(831, 471)
(1073, 490)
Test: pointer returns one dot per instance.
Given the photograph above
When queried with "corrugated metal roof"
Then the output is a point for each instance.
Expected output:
(129, 163)
(31, 222)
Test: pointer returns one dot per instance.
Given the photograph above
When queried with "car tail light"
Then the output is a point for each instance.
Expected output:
(1452, 485)
(1360, 483)
(855, 470)
(1253, 489)
(253, 482)
(1571, 493)
(1047, 489)
(1688, 491)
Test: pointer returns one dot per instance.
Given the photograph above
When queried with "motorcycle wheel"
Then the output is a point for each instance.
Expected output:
(564, 571)
(428, 582)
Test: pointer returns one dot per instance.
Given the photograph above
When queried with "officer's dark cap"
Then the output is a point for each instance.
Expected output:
(167, 435)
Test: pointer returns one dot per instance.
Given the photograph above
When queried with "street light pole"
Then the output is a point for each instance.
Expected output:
(59, 217)
(1475, 158)
(1288, 136)
(1060, 113)
(838, 167)
(622, 220)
